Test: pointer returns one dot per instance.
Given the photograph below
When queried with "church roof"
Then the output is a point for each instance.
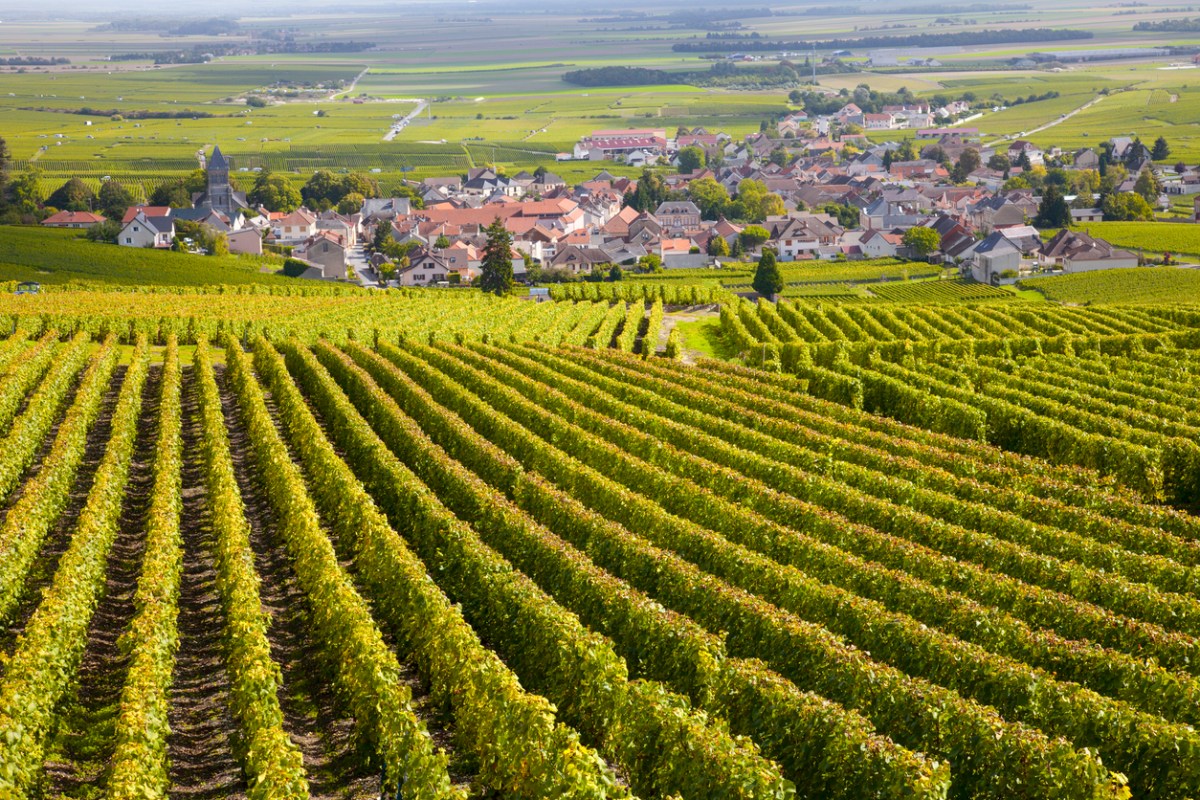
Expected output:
(217, 161)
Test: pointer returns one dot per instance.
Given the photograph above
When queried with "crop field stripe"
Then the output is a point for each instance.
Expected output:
(637, 711)
(794, 642)
(139, 766)
(655, 642)
(34, 514)
(367, 671)
(515, 757)
(49, 650)
(814, 602)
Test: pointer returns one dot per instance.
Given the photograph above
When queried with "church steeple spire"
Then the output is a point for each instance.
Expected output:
(220, 193)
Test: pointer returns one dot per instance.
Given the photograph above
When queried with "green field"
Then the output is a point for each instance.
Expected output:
(59, 257)
(1143, 285)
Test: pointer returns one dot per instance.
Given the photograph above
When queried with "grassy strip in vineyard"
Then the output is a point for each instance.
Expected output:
(269, 758)
(31, 518)
(139, 762)
(652, 640)
(1000, 681)
(624, 717)
(48, 652)
(367, 672)
(1019, 759)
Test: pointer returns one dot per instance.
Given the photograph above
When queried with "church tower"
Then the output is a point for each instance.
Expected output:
(220, 193)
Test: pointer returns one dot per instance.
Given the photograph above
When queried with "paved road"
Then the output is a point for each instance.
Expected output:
(357, 260)
(401, 124)
(1049, 124)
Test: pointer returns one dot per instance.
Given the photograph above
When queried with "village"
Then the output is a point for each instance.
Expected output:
(814, 188)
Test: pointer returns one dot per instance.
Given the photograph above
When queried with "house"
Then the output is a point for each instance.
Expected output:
(295, 227)
(1087, 215)
(246, 241)
(678, 215)
(1086, 159)
(425, 268)
(878, 122)
(607, 145)
(1029, 149)
(970, 134)
(801, 236)
(580, 260)
(922, 168)
(880, 244)
(385, 208)
(1076, 251)
(326, 250)
(143, 230)
(73, 219)
(792, 125)
(994, 256)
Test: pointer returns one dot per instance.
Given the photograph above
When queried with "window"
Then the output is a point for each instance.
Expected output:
(128, 240)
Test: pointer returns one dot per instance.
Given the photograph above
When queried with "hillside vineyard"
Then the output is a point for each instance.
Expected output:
(462, 563)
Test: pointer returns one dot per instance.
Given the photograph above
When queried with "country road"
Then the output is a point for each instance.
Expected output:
(401, 124)
(1048, 125)
(350, 88)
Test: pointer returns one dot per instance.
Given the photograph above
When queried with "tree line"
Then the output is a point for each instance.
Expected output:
(735, 43)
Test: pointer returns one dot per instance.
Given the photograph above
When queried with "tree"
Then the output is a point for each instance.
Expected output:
(74, 195)
(846, 216)
(1127, 206)
(174, 195)
(1023, 161)
(441, 243)
(758, 203)
(274, 193)
(350, 204)
(968, 162)
(905, 152)
(691, 158)
(497, 269)
(709, 196)
(615, 273)
(113, 199)
(382, 235)
(779, 157)
(921, 241)
(357, 183)
(650, 193)
(1148, 186)
(768, 279)
(717, 246)
(999, 162)
(26, 192)
(1161, 150)
(197, 181)
(106, 232)
(322, 190)
(753, 236)
(1053, 212)
(651, 262)
(1180, 168)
